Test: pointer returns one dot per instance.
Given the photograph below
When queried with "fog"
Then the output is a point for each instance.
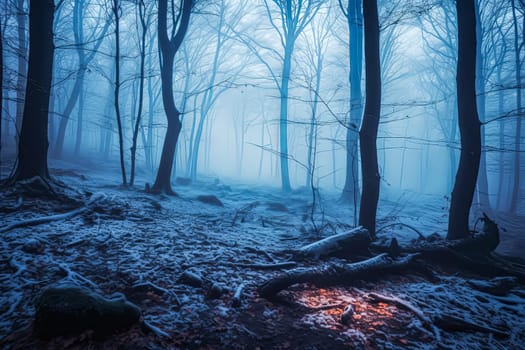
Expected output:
(227, 88)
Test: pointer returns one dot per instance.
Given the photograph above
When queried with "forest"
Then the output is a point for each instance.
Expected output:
(263, 174)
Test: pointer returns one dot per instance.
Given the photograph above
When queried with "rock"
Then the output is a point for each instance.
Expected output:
(210, 199)
(216, 291)
(69, 309)
(191, 279)
(33, 246)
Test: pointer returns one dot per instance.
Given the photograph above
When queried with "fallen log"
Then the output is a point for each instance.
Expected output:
(334, 273)
(346, 243)
(477, 245)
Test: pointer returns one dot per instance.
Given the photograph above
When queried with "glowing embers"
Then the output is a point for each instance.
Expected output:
(368, 324)
(328, 305)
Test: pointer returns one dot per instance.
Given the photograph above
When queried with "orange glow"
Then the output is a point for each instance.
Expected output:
(366, 319)
(328, 304)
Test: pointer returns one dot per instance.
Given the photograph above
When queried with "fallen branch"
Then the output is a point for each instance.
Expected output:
(354, 241)
(50, 218)
(334, 273)
(403, 305)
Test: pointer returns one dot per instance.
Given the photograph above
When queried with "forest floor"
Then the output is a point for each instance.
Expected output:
(129, 236)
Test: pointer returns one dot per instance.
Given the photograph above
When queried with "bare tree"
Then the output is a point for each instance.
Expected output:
(288, 19)
(370, 125)
(144, 23)
(169, 44)
(33, 143)
(469, 125)
(85, 56)
(354, 17)
(116, 15)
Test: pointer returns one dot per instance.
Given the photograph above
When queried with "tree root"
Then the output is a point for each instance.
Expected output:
(50, 218)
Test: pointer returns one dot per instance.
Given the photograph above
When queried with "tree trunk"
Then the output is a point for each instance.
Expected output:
(33, 143)
(517, 150)
(22, 65)
(370, 125)
(283, 116)
(189, 162)
(312, 134)
(482, 185)
(141, 90)
(501, 165)
(116, 10)
(1, 91)
(80, 118)
(355, 25)
(168, 49)
(469, 126)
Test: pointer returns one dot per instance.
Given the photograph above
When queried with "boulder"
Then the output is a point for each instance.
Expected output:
(70, 309)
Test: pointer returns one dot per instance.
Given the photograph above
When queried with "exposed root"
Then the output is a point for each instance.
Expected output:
(50, 218)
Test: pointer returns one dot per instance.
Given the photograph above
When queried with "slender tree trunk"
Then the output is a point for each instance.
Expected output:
(517, 150)
(283, 116)
(452, 150)
(370, 125)
(189, 164)
(83, 61)
(168, 49)
(64, 117)
(403, 155)
(313, 120)
(501, 166)
(196, 145)
(116, 14)
(141, 90)
(22, 65)
(261, 157)
(152, 98)
(482, 185)
(1, 91)
(355, 25)
(80, 118)
(469, 125)
(208, 98)
(33, 143)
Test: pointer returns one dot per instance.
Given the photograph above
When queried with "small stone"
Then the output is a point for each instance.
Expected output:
(191, 279)
(33, 246)
(215, 291)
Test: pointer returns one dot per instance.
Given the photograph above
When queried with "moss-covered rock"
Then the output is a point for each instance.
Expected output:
(69, 309)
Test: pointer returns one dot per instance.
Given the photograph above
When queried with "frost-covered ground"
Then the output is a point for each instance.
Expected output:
(128, 238)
